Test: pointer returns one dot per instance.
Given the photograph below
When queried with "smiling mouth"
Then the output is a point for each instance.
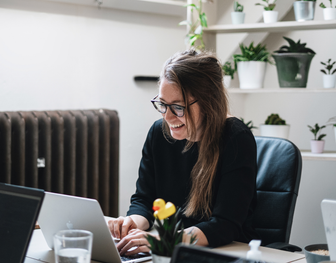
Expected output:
(176, 126)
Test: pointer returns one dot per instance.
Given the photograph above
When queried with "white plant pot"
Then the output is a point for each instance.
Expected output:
(329, 13)
(237, 18)
(329, 81)
(279, 131)
(227, 81)
(160, 259)
(335, 132)
(251, 74)
(317, 146)
(270, 16)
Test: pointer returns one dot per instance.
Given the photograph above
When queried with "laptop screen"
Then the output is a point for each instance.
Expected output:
(19, 208)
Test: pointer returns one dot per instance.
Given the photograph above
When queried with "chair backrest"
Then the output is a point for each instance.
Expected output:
(279, 172)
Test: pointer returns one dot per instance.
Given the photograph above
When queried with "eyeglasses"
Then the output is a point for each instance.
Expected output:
(161, 107)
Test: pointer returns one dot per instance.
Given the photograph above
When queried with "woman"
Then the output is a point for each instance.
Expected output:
(197, 156)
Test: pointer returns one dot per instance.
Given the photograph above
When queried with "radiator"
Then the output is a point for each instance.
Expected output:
(74, 152)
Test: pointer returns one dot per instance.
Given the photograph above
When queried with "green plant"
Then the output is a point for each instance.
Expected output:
(249, 124)
(328, 66)
(308, 0)
(332, 121)
(274, 119)
(323, 6)
(237, 7)
(316, 130)
(268, 6)
(294, 47)
(252, 53)
(228, 69)
(196, 27)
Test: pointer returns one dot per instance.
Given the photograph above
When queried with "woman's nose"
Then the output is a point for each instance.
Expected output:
(169, 115)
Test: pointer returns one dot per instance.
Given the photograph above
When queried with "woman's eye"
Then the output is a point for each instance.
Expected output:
(176, 107)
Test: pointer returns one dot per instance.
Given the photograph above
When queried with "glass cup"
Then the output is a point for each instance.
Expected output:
(73, 246)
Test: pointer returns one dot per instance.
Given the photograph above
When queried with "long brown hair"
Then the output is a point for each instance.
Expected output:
(200, 76)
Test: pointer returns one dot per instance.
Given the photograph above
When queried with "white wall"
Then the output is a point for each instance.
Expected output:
(62, 56)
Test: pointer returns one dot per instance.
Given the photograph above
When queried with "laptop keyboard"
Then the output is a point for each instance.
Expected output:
(136, 256)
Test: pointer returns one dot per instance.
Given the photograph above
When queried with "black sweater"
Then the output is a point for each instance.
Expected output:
(165, 173)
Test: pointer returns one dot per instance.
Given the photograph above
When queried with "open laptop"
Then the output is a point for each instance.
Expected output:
(328, 208)
(61, 212)
(19, 209)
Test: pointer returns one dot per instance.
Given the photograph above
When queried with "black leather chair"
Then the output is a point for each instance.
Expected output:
(278, 179)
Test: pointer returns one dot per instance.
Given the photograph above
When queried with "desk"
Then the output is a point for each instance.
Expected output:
(39, 251)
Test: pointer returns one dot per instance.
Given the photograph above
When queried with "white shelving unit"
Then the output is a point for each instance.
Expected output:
(279, 90)
(326, 156)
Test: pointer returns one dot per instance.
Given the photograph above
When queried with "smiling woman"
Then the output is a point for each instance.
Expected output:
(197, 156)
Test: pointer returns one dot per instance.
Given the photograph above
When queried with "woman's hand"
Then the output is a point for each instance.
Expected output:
(121, 226)
(133, 243)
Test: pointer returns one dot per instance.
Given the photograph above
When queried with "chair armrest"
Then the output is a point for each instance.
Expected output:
(284, 246)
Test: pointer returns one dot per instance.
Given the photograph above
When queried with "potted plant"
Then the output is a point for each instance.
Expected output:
(229, 71)
(329, 13)
(304, 10)
(249, 124)
(329, 78)
(274, 126)
(293, 63)
(269, 15)
(237, 16)
(168, 224)
(317, 145)
(195, 35)
(332, 121)
(251, 65)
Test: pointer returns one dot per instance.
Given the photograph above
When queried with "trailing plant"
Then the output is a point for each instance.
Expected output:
(237, 7)
(316, 131)
(274, 119)
(268, 5)
(249, 124)
(195, 34)
(323, 6)
(170, 230)
(328, 66)
(228, 69)
(252, 53)
(294, 47)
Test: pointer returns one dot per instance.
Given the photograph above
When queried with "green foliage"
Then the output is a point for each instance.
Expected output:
(309, 0)
(316, 130)
(249, 124)
(237, 7)
(274, 119)
(228, 69)
(268, 6)
(170, 234)
(323, 6)
(252, 53)
(328, 66)
(294, 47)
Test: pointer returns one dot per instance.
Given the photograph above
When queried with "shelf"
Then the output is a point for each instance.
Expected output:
(326, 156)
(272, 27)
(280, 90)
(164, 7)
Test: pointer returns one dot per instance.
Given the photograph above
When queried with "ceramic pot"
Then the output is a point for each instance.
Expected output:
(329, 81)
(317, 146)
(313, 257)
(329, 13)
(237, 18)
(160, 259)
(251, 74)
(279, 131)
(293, 69)
(304, 10)
(227, 81)
(270, 16)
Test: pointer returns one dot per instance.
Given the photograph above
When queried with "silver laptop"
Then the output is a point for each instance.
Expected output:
(328, 208)
(60, 212)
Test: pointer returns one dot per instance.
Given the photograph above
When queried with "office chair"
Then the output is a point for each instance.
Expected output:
(279, 172)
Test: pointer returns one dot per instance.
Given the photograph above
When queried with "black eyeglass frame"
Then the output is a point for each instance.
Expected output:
(170, 106)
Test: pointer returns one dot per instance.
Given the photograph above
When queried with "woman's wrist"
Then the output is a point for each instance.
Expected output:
(141, 222)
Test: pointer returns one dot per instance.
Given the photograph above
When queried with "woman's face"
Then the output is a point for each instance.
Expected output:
(169, 93)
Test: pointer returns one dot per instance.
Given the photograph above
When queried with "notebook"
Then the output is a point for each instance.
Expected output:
(19, 209)
(61, 212)
(328, 208)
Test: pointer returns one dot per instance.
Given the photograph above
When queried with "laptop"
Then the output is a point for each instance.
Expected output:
(60, 212)
(19, 209)
(328, 208)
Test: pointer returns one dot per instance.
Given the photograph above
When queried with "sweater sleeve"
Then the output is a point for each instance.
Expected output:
(235, 182)
(142, 200)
